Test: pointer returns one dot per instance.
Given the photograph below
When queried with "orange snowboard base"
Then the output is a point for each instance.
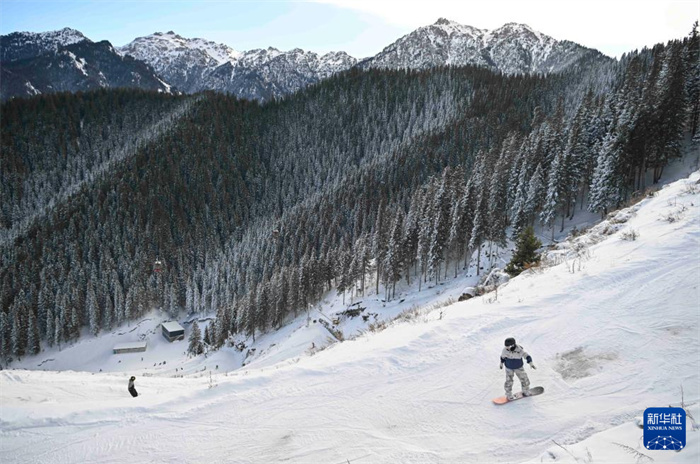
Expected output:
(533, 392)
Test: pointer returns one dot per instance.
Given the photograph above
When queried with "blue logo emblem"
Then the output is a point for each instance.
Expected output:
(664, 429)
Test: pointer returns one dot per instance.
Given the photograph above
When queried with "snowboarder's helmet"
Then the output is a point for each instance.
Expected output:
(510, 341)
(132, 378)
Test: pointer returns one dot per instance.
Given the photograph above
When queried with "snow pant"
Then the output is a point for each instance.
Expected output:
(132, 390)
(524, 381)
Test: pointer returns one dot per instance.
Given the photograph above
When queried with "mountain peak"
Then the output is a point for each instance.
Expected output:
(23, 45)
(513, 48)
(443, 22)
(514, 25)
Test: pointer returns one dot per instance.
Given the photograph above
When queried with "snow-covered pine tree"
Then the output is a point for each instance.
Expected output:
(673, 106)
(692, 86)
(293, 290)
(440, 226)
(424, 232)
(535, 194)
(49, 332)
(195, 340)
(498, 195)
(518, 210)
(42, 307)
(94, 315)
(465, 224)
(343, 272)
(478, 233)
(605, 189)
(410, 232)
(379, 242)
(262, 313)
(18, 333)
(395, 255)
(5, 337)
(33, 337)
(207, 336)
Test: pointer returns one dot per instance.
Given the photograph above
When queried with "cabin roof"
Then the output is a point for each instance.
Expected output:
(130, 346)
(172, 326)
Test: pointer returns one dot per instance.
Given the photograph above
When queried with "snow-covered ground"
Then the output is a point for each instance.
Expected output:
(613, 329)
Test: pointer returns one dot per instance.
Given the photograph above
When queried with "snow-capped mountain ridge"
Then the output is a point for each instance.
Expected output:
(197, 64)
(513, 48)
(82, 65)
(23, 45)
(163, 48)
(193, 65)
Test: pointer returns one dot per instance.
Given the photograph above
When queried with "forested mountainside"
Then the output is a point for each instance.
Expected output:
(37, 65)
(257, 209)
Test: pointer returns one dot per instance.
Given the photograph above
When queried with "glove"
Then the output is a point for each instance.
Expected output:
(532, 366)
(501, 366)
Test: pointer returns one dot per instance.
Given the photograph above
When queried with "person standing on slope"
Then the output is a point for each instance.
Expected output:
(512, 356)
(132, 389)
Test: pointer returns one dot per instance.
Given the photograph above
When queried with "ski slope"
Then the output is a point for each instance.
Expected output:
(613, 329)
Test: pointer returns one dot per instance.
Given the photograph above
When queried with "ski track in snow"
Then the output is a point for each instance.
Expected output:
(609, 340)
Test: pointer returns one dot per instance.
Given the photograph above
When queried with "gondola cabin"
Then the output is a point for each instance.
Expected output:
(172, 331)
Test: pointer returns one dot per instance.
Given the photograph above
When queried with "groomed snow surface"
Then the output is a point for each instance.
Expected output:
(613, 329)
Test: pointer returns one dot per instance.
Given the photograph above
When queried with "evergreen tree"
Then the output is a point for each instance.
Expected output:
(50, 329)
(535, 194)
(440, 227)
(5, 337)
(195, 341)
(379, 242)
(607, 185)
(525, 252)
(207, 336)
(33, 337)
(93, 309)
(18, 335)
(498, 194)
(692, 67)
(394, 259)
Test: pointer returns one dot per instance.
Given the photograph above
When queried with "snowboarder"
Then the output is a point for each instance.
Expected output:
(132, 389)
(512, 356)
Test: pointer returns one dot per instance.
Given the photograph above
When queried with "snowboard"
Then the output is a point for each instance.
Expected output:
(533, 392)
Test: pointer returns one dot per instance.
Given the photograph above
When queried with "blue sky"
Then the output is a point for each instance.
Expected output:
(359, 27)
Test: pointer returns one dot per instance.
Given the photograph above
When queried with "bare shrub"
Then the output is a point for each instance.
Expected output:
(691, 189)
(640, 457)
(676, 215)
(629, 235)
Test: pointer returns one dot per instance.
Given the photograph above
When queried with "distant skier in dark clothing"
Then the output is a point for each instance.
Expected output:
(132, 389)
(512, 356)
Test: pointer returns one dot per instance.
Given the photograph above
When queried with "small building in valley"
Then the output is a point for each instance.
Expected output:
(133, 347)
(173, 331)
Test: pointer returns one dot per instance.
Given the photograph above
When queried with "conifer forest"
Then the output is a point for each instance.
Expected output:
(115, 202)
